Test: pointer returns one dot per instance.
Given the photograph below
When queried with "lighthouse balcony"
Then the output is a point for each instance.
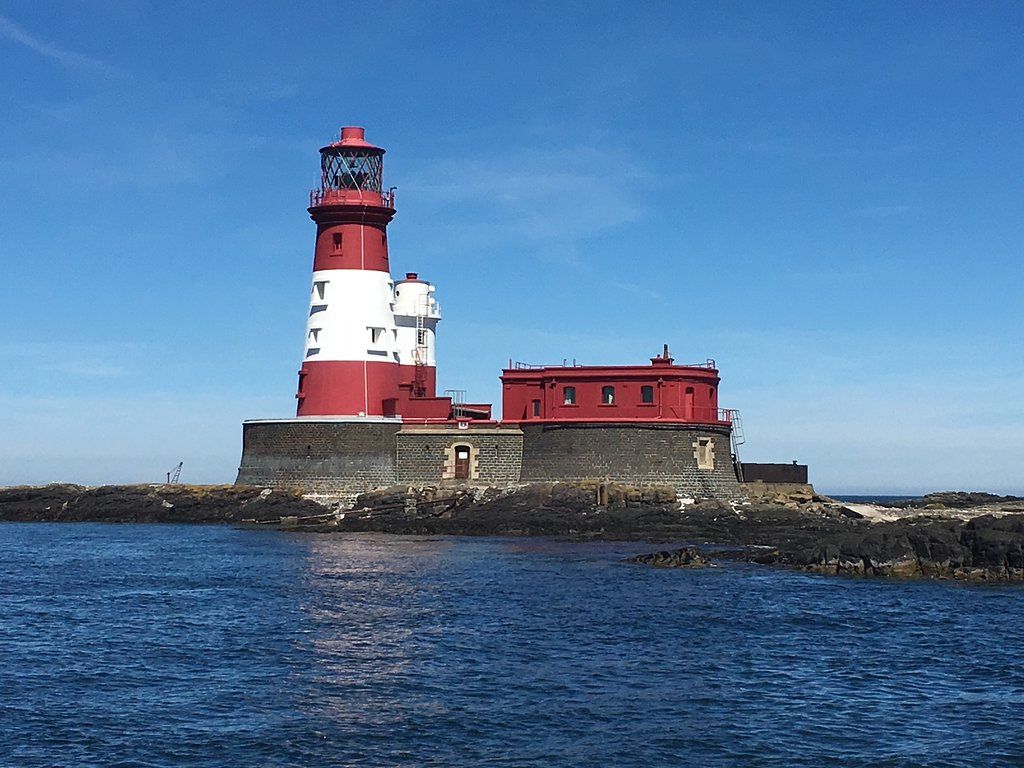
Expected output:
(331, 196)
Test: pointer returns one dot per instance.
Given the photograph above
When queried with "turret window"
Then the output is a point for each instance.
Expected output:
(647, 395)
(569, 396)
(337, 242)
(607, 395)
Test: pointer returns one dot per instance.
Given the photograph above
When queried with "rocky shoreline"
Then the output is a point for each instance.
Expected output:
(976, 537)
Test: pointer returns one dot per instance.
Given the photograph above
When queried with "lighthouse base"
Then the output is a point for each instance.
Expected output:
(319, 456)
(345, 457)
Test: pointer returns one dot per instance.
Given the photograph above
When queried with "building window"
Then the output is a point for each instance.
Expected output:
(375, 334)
(536, 407)
(421, 337)
(320, 286)
(647, 395)
(337, 242)
(569, 396)
(314, 334)
(608, 395)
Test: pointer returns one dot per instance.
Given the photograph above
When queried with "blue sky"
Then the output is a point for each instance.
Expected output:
(824, 197)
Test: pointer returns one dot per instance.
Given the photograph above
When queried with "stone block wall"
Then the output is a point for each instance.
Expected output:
(427, 455)
(775, 473)
(637, 454)
(340, 458)
(320, 457)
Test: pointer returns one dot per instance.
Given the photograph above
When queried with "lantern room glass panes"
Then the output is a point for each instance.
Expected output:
(352, 169)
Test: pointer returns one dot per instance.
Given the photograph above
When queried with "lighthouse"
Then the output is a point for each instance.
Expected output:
(369, 341)
(369, 415)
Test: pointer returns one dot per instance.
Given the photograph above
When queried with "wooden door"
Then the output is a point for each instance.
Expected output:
(461, 462)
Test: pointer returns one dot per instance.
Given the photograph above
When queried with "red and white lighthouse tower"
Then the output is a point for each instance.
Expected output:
(362, 352)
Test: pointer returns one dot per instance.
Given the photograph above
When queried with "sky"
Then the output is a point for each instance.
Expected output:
(823, 197)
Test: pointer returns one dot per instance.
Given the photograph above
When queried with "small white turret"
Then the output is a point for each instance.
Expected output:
(416, 316)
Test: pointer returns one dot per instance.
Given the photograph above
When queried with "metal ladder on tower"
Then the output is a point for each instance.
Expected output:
(736, 439)
(421, 350)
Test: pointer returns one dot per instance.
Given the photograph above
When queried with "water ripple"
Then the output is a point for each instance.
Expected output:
(172, 646)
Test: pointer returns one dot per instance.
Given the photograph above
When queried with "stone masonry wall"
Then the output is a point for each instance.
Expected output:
(325, 457)
(320, 457)
(631, 453)
(427, 456)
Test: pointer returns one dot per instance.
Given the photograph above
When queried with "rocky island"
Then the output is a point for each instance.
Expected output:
(952, 535)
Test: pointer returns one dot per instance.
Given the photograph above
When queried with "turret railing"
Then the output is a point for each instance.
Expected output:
(327, 196)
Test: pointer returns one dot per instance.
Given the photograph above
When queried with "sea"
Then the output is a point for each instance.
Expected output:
(143, 645)
(881, 500)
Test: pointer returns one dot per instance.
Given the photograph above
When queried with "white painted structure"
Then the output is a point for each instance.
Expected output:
(351, 318)
(416, 316)
(360, 315)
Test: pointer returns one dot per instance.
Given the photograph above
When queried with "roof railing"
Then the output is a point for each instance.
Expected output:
(520, 366)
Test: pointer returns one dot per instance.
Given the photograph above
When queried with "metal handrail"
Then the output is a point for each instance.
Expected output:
(519, 366)
(320, 196)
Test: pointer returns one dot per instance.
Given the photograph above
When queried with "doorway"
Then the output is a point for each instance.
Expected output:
(462, 462)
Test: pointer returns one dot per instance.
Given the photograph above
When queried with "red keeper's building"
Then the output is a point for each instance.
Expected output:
(659, 392)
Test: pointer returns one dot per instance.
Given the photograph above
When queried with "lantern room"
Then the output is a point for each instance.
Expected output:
(352, 170)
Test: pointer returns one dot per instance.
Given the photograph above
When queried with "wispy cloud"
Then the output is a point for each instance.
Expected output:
(79, 361)
(551, 199)
(881, 211)
(634, 289)
(17, 34)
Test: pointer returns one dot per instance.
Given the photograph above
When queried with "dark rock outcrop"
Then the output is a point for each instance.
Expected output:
(817, 537)
(980, 549)
(687, 557)
(960, 500)
(152, 504)
(539, 509)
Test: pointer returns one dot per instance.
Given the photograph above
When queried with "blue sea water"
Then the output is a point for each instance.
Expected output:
(881, 499)
(208, 646)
